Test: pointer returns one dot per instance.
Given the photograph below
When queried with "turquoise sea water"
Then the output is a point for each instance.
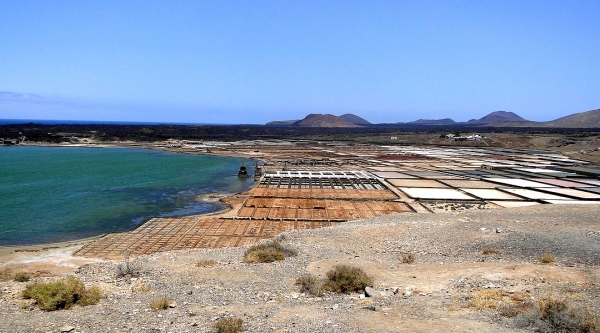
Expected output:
(51, 194)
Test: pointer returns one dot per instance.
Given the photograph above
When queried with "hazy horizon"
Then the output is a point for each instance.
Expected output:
(236, 62)
(11, 121)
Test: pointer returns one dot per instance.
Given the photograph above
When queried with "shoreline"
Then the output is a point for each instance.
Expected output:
(7, 250)
(15, 257)
(47, 259)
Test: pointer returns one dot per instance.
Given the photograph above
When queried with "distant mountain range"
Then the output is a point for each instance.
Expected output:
(588, 119)
(323, 120)
(488, 120)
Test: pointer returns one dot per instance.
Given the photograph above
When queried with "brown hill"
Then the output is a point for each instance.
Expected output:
(323, 120)
(354, 119)
(588, 119)
(497, 116)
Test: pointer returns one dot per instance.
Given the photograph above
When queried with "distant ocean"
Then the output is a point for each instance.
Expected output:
(88, 122)
(54, 194)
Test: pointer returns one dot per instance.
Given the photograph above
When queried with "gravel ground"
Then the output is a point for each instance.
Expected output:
(432, 294)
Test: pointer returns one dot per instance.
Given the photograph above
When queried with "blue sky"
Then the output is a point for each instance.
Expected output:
(257, 61)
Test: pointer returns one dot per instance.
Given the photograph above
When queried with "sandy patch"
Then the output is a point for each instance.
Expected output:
(45, 259)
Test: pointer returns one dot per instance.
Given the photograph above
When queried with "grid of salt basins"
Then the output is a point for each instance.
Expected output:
(501, 177)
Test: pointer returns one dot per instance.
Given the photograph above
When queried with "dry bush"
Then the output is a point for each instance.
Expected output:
(344, 279)
(518, 303)
(556, 315)
(267, 252)
(546, 258)
(511, 310)
(486, 299)
(22, 277)
(520, 296)
(161, 303)
(128, 269)
(489, 251)
(229, 325)
(62, 294)
(408, 258)
(311, 285)
(206, 263)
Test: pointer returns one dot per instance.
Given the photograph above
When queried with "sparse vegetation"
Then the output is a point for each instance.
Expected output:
(127, 269)
(408, 258)
(22, 277)
(92, 295)
(229, 325)
(340, 279)
(344, 279)
(311, 285)
(206, 263)
(161, 303)
(267, 252)
(62, 294)
(518, 303)
(556, 315)
(507, 304)
(546, 258)
(548, 314)
(486, 299)
(490, 251)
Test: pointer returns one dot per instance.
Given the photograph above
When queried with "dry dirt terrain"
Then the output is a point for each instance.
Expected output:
(440, 291)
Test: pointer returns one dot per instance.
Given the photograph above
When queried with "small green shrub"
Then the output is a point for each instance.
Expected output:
(62, 294)
(310, 284)
(408, 258)
(546, 258)
(22, 277)
(91, 296)
(161, 303)
(205, 263)
(267, 252)
(229, 325)
(345, 279)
